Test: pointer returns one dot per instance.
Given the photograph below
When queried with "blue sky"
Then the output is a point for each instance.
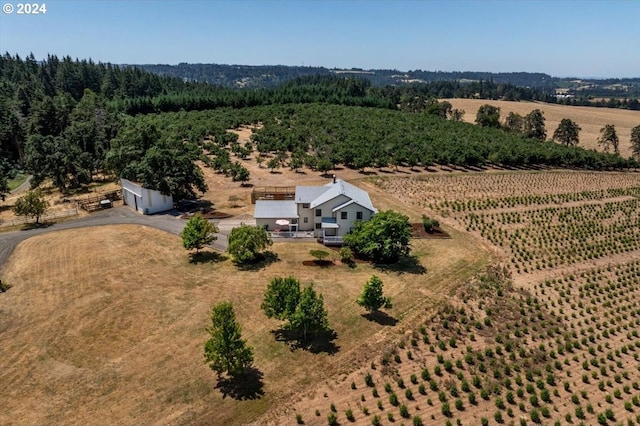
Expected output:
(561, 38)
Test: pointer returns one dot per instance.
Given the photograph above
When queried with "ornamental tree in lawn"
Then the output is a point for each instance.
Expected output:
(226, 351)
(384, 238)
(372, 298)
(198, 232)
(247, 242)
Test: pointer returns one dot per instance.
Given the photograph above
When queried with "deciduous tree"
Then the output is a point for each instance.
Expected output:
(198, 232)
(372, 298)
(32, 204)
(488, 116)
(514, 122)
(281, 298)
(534, 125)
(609, 138)
(310, 316)
(246, 242)
(635, 142)
(567, 132)
(384, 238)
(226, 351)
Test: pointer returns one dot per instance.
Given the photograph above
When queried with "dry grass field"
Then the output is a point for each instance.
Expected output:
(107, 325)
(556, 344)
(590, 119)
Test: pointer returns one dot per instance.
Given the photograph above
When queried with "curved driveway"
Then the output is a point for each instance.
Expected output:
(169, 222)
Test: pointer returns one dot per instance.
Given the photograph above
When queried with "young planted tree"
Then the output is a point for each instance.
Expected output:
(281, 298)
(635, 142)
(198, 232)
(310, 316)
(319, 254)
(247, 242)
(372, 298)
(488, 116)
(384, 238)
(534, 125)
(32, 204)
(226, 351)
(567, 132)
(609, 138)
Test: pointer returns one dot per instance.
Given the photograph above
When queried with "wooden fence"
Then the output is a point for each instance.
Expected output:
(92, 202)
(43, 218)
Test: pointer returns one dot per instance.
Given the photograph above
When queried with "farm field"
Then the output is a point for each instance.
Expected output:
(128, 329)
(547, 336)
(590, 119)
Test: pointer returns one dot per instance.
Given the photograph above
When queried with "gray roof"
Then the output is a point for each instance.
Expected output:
(306, 194)
(275, 209)
(341, 187)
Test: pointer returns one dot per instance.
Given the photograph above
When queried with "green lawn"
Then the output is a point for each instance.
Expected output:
(17, 181)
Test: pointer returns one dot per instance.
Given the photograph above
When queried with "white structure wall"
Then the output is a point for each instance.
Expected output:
(144, 200)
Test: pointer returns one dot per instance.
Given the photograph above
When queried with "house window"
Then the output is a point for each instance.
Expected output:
(306, 220)
(343, 215)
(305, 205)
(318, 212)
(318, 226)
(359, 215)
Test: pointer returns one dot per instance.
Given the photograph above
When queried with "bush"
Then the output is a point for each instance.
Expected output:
(332, 419)
(299, 419)
(429, 224)
(346, 255)
(384, 238)
(404, 411)
(417, 421)
(349, 415)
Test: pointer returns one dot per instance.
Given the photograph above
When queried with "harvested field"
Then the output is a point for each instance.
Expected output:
(590, 119)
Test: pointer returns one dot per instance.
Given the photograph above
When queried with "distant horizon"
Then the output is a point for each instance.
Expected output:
(323, 66)
(573, 38)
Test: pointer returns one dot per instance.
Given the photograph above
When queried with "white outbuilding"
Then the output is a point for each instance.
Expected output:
(144, 200)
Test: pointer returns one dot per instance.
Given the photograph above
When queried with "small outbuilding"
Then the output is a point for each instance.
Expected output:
(144, 200)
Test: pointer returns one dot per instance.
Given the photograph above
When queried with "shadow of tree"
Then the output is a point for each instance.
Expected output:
(243, 386)
(381, 318)
(206, 257)
(406, 264)
(262, 261)
(30, 226)
(322, 343)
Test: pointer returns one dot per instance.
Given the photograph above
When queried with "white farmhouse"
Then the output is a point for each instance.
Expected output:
(328, 211)
(144, 200)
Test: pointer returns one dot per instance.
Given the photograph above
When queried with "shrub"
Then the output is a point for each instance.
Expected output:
(332, 419)
(446, 409)
(404, 411)
(417, 421)
(349, 415)
(299, 419)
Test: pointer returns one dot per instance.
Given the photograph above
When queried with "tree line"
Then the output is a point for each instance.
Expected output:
(73, 120)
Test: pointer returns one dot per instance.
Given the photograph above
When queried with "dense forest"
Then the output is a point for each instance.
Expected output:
(72, 120)
(264, 76)
(583, 91)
